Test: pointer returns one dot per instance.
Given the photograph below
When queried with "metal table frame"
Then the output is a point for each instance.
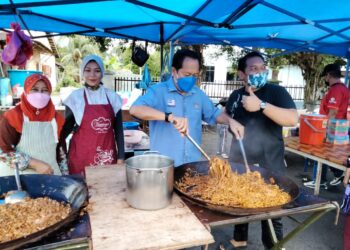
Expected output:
(318, 210)
(320, 161)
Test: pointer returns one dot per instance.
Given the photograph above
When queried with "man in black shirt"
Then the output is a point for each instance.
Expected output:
(259, 111)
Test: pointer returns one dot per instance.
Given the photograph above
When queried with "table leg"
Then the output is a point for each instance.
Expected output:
(272, 231)
(305, 224)
(318, 178)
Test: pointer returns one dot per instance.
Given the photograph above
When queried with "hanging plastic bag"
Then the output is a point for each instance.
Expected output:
(19, 47)
(146, 79)
(139, 55)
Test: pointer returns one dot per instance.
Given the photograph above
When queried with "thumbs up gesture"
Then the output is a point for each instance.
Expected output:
(251, 102)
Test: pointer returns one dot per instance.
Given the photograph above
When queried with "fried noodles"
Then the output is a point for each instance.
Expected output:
(227, 188)
(30, 216)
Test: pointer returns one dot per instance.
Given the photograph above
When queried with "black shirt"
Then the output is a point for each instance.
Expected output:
(263, 139)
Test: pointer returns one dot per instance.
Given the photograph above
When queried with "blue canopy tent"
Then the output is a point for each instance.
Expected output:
(152, 20)
(298, 25)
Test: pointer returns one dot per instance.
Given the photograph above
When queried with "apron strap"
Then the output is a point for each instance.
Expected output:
(86, 100)
(55, 129)
(25, 118)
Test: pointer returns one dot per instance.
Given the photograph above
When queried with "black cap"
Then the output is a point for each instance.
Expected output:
(331, 68)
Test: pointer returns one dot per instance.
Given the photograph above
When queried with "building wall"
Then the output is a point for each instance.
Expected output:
(291, 76)
(41, 60)
(220, 63)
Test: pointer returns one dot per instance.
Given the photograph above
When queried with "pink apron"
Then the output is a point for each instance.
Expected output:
(94, 142)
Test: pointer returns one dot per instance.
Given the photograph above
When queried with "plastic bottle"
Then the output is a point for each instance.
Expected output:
(222, 149)
(9, 100)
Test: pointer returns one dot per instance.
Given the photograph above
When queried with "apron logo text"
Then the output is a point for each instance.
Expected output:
(101, 125)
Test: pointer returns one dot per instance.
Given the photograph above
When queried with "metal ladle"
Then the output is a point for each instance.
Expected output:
(18, 195)
(243, 154)
(197, 146)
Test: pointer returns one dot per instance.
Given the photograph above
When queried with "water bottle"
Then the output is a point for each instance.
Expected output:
(222, 149)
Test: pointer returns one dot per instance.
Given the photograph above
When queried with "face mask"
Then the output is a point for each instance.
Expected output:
(258, 80)
(185, 84)
(38, 100)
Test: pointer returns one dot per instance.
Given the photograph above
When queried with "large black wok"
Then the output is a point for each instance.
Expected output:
(61, 188)
(202, 167)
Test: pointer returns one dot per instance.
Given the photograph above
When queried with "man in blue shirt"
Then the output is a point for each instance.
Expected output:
(177, 107)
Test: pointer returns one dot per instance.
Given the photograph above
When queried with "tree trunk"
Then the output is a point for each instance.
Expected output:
(311, 66)
(274, 76)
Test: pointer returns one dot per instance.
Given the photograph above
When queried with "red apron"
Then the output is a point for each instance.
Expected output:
(94, 142)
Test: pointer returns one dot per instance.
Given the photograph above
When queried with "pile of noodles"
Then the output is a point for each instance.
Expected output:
(227, 188)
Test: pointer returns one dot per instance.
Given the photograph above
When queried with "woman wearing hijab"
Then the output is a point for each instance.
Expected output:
(29, 132)
(93, 113)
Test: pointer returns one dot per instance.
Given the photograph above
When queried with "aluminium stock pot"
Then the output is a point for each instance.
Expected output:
(150, 179)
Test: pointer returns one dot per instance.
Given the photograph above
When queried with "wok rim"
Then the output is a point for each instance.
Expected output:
(64, 223)
(237, 210)
(34, 237)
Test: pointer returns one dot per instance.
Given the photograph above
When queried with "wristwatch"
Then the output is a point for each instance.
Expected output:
(167, 116)
(262, 105)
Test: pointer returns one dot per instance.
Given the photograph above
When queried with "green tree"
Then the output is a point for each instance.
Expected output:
(154, 64)
(127, 63)
(311, 65)
(275, 63)
(104, 43)
(72, 53)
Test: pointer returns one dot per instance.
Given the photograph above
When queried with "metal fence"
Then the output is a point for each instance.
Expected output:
(128, 83)
(215, 90)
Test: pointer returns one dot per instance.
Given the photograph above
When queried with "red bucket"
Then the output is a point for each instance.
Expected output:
(312, 129)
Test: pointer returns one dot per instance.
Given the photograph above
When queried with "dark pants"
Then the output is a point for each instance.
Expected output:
(241, 232)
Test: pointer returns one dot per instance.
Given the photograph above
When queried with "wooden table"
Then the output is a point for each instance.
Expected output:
(116, 225)
(334, 156)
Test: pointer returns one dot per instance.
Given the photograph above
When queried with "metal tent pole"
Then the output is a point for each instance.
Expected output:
(347, 72)
(161, 47)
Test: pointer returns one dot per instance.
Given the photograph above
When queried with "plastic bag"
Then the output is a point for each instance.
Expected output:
(19, 47)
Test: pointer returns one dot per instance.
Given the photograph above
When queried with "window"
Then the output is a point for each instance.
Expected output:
(209, 73)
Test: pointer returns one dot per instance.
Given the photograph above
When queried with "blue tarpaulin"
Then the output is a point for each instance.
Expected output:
(294, 25)
(146, 78)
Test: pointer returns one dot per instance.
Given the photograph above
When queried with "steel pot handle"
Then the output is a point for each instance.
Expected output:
(139, 171)
(151, 152)
(312, 127)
